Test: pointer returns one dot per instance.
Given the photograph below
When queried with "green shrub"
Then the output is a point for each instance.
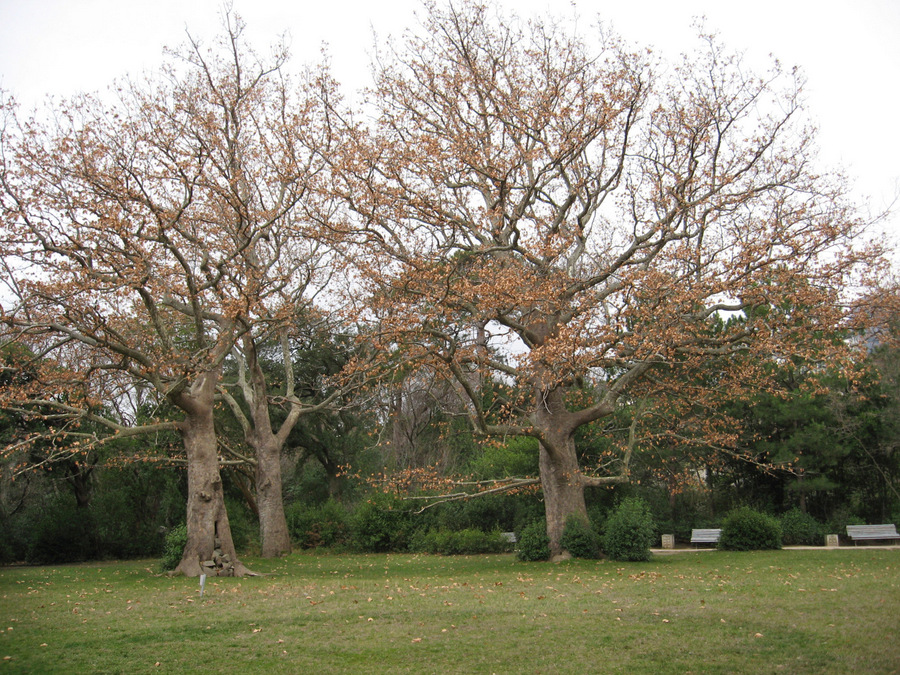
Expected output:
(380, 525)
(485, 513)
(477, 541)
(598, 514)
(131, 506)
(18, 532)
(747, 530)
(462, 542)
(173, 547)
(801, 529)
(533, 543)
(315, 526)
(580, 539)
(528, 509)
(518, 456)
(683, 526)
(629, 531)
(65, 533)
(430, 540)
(839, 521)
(7, 548)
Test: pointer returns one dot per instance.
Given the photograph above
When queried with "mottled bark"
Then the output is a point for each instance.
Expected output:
(207, 520)
(274, 535)
(563, 493)
(267, 446)
(561, 479)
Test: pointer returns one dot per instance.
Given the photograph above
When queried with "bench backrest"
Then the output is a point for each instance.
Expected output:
(705, 535)
(872, 530)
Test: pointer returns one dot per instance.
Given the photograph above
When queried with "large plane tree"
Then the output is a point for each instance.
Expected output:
(589, 230)
(159, 228)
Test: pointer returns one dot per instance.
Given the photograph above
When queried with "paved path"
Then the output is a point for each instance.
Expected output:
(688, 549)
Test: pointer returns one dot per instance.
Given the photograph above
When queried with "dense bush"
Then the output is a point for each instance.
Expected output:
(459, 542)
(801, 529)
(173, 547)
(490, 512)
(518, 456)
(308, 483)
(126, 514)
(133, 507)
(381, 524)
(313, 526)
(580, 539)
(629, 531)
(533, 543)
(17, 534)
(839, 521)
(747, 530)
(64, 533)
(529, 508)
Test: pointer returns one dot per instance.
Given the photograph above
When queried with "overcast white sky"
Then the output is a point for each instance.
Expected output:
(849, 50)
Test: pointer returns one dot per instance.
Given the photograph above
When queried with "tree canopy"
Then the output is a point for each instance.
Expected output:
(566, 216)
(146, 238)
(544, 223)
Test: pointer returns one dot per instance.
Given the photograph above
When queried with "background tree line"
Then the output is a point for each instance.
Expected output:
(123, 500)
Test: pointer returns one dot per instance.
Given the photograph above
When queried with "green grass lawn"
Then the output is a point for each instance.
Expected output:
(835, 611)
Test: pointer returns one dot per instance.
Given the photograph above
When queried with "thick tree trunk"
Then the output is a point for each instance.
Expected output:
(563, 493)
(209, 548)
(267, 446)
(561, 479)
(276, 539)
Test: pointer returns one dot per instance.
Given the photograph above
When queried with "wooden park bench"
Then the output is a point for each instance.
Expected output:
(705, 536)
(872, 532)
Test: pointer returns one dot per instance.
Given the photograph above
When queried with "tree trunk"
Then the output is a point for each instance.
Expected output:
(561, 480)
(335, 483)
(276, 540)
(563, 493)
(209, 548)
(79, 477)
(267, 446)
